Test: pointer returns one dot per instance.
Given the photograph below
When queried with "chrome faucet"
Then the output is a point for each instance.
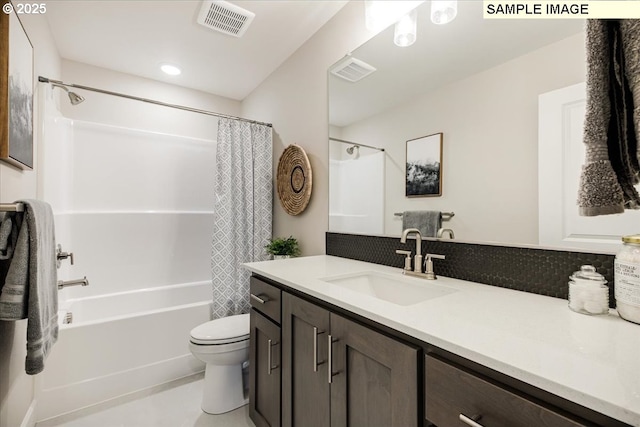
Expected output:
(417, 259)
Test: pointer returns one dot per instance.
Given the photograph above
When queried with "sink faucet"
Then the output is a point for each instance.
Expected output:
(441, 232)
(417, 259)
(417, 262)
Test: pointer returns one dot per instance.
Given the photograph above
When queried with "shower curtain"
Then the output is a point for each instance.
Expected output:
(242, 213)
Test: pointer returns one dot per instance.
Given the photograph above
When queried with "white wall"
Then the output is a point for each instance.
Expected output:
(17, 390)
(294, 99)
(490, 126)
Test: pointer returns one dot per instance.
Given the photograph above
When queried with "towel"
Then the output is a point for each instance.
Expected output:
(30, 287)
(14, 292)
(611, 132)
(428, 222)
(8, 235)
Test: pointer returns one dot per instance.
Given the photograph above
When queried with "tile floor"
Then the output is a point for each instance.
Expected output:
(176, 404)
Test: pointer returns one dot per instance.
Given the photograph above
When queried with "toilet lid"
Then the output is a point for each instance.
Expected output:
(222, 331)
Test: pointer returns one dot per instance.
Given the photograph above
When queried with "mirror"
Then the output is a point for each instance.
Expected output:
(478, 83)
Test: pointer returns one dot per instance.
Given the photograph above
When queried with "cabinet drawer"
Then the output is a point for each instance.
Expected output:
(265, 298)
(452, 393)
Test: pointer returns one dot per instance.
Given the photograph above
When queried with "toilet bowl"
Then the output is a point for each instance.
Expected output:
(223, 344)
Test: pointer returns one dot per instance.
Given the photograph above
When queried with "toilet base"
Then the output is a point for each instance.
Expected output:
(223, 389)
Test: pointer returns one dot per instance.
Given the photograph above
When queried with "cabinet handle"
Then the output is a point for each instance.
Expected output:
(470, 421)
(315, 349)
(331, 340)
(259, 300)
(270, 367)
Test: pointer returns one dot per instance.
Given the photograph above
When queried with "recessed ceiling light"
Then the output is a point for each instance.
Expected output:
(171, 70)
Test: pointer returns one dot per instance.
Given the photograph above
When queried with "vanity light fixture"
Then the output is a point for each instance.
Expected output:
(405, 31)
(381, 14)
(171, 70)
(443, 11)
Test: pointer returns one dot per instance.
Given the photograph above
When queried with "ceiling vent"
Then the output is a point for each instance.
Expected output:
(352, 69)
(225, 17)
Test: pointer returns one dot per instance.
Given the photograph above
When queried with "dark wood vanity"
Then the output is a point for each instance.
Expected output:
(314, 364)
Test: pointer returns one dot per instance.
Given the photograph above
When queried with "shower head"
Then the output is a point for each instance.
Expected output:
(352, 148)
(73, 97)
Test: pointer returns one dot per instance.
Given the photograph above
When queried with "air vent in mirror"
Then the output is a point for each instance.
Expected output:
(352, 69)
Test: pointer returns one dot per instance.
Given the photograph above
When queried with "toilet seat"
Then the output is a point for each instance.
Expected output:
(226, 330)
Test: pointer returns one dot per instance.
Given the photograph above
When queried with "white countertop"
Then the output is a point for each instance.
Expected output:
(591, 360)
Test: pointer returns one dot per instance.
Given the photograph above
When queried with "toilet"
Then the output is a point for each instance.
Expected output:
(223, 344)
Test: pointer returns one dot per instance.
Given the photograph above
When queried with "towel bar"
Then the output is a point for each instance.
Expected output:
(11, 207)
(446, 216)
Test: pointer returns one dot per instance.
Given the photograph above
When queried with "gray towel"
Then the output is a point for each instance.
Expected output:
(611, 169)
(30, 288)
(14, 292)
(8, 235)
(428, 222)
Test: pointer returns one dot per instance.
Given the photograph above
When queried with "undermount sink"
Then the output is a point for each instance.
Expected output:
(398, 290)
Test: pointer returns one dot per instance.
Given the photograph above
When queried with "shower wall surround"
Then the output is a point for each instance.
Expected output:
(134, 206)
(132, 183)
(539, 271)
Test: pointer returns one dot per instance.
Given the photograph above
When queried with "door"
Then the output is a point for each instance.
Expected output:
(305, 387)
(264, 366)
(561, 157)
(374, 378)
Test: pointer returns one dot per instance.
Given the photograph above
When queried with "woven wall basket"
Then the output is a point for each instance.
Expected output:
(294, 179)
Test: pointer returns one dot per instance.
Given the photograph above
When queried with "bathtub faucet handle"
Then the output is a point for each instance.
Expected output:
(62, 255)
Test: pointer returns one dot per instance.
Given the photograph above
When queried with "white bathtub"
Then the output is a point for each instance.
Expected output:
(121, 343)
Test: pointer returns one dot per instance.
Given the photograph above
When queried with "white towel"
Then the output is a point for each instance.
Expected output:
(30, 287)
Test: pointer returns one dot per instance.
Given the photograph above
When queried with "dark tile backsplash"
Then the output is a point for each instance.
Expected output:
(539, 271)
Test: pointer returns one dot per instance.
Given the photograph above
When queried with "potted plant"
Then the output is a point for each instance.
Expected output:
(282, 248)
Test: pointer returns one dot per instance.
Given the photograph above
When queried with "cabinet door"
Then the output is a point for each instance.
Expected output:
(305, 387)
(375, 378)
(264, 371)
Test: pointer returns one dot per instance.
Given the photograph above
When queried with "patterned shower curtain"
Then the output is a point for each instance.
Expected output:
(242, 213)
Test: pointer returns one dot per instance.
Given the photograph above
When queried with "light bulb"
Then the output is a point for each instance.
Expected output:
(380, 14)
(443, 12)
(405, 30)
(171, 70)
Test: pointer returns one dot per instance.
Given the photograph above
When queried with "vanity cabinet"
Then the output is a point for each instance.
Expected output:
(317, 365)
(339, 373)
(264, 354)
(455, 396)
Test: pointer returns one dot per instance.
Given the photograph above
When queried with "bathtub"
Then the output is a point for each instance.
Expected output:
(121, 343)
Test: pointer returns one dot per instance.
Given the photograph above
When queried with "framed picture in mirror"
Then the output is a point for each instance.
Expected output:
(424, 166)
(16, 93)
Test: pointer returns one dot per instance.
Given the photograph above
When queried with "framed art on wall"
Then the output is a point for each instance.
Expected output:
(16, 93)
(424, 166)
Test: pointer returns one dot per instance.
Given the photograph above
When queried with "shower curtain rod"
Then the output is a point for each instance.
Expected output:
(150, 101)
(344, 141)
